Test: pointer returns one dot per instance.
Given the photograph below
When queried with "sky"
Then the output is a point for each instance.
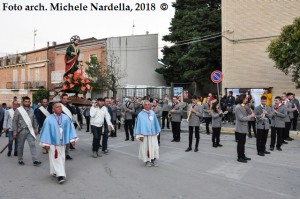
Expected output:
(17, 26)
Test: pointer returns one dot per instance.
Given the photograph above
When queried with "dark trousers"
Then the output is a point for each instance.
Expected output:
(164, 117)
(114, 133)
(216, 135)
(119, 121)
(261, 139)
(229, 116)
(253, 124)
(105, 138)
(294, 120)
(241, 144)
(286, 132)
(176, 130)
(197, 136)
(87, 119)
(97, 131)
(128, 125)
(276, 132)
(207, 121)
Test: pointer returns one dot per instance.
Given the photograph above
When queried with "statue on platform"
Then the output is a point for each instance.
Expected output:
(71, 57)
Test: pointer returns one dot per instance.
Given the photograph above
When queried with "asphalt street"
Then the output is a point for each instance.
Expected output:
(210, 173)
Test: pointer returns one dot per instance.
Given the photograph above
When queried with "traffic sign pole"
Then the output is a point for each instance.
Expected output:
(219, 96)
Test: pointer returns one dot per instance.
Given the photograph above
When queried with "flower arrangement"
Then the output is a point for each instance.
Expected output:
(76, 83)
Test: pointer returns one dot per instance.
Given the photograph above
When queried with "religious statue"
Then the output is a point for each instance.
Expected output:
(71, 57)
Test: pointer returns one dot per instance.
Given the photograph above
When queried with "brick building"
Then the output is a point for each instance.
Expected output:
(248, 27)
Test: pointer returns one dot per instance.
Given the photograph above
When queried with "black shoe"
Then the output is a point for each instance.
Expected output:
(168, 128)
(72, 147)
(289, 139)
(219, 145)
(21, 163)
(188, 149)
(61, 179)
(242, 160)
(271, 148)
(196, 150)
(279, 149)
(284, 142)
(15, 153)
(132, 139)
(9, 153)
(126, 139)
(173, 140)
(267, 152)
(214, 145)
(37, 163)
(250, 136)
(246, 158)
(177, 141)
(260, 154)
(68, 157)
(208, 133)
(87, 131)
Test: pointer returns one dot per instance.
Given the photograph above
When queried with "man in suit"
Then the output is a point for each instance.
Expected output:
(176, 112)
(230, 100)
(194, 114)
(288, 117)
(165, 112)
(279, 113)
(295, 103)
(128, 110)
(263, 115)
(241, 126)
(41, 113)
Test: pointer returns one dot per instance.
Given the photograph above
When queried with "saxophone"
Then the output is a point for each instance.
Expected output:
(190, 112)
(170, 114)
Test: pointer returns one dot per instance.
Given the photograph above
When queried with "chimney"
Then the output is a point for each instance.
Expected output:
(147, 32)
(47, 44)
(54, 43)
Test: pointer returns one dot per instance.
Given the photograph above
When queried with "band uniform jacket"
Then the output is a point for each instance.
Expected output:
(206, 108)
(194, 119)
(216, 119)
(19, 123)
(128, 114)
(263, 122)
(242, 119)
(165, 105)
(176, 115)
(158, 112)
(138, 107)
(278, 119)
(290, 112)
(114, 112)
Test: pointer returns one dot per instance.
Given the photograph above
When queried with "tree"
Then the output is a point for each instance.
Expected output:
(285, 51)
(105, 77)
(40, 95)
(196, 33)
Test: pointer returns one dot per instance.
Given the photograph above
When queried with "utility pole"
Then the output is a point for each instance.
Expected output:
(34, 34)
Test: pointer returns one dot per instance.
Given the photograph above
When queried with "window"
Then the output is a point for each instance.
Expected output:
(15, 75)
(37, 74)
(23, 75)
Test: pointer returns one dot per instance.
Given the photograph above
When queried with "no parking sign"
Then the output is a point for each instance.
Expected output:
(216, 76)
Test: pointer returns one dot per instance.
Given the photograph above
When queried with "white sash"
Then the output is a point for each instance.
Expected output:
(66, 111)
(44, 111)
(11, 113)
(27, 120)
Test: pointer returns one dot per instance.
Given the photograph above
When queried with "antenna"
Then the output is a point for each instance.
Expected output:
(34, 34)
(133, 28)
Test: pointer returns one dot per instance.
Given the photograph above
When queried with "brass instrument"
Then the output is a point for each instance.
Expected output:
(190, 112)
(170, 114)
(210, 106)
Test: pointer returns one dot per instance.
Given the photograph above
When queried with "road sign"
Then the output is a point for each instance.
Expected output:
(216, 76)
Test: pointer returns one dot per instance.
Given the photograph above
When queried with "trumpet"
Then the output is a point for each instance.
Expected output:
(210, 106)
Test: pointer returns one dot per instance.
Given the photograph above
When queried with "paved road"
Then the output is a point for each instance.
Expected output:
(210, 173)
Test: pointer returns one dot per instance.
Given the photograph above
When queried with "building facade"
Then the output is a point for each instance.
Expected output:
(248, 28)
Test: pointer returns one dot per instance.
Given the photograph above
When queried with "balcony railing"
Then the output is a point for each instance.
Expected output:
(26, 85)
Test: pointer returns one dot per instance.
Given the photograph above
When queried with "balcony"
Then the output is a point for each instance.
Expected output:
(32, 85)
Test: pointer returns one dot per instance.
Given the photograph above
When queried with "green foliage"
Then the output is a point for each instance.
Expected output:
(39, 95)
(105, 77)
(194, 61)
(95, 72)
(285, 51)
